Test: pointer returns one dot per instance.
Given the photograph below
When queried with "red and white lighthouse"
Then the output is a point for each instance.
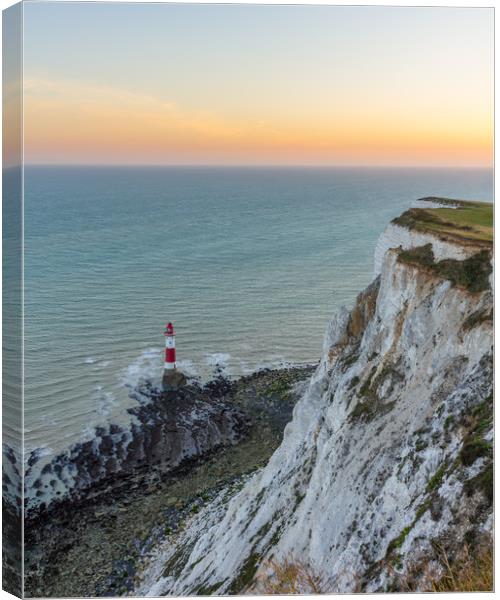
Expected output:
(172, 378)
(169, 348)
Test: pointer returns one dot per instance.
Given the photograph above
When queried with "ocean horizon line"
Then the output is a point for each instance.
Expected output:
(252, 166)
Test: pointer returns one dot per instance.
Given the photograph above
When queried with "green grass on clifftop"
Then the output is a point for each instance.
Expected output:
(459, 220)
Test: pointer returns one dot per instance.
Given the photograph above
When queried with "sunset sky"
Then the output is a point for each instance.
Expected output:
(292, 85)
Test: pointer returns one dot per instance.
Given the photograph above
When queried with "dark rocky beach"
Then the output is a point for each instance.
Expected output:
(129, 490)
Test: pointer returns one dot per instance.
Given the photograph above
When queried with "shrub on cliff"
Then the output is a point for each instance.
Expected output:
(471, 274)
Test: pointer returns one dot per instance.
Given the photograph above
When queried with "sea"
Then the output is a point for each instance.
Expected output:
(248, 263)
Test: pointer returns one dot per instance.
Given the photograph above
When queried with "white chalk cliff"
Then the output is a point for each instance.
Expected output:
(388, 451)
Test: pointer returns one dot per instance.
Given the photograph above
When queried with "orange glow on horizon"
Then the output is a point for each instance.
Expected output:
(70, 123)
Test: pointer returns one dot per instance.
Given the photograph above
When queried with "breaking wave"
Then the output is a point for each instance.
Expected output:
(148, 365)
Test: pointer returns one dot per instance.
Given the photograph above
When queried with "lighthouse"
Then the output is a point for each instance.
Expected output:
(172, 378)
(169, 347)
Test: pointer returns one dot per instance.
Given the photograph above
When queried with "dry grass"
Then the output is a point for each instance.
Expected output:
(292, 577)
(473, 572)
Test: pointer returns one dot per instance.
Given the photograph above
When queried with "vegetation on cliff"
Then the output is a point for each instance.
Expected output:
(470, 571)
(471, 274)
(456, 220)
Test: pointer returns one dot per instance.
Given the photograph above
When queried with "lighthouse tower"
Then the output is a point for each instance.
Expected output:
(169, 347)
(172, 378)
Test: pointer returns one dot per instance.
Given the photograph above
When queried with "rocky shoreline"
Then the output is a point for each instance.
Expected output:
(94, 542)
(167, 428)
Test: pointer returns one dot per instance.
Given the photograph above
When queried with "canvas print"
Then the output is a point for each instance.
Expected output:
(248, 302)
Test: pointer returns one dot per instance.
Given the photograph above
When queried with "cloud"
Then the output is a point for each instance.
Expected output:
(37, 89)
(52, 104)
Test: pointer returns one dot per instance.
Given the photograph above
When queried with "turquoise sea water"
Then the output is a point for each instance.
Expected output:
(248, 263)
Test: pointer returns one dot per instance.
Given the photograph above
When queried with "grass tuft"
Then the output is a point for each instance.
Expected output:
(292, 577)
(473, 572)
(246, 574)
(473, 449)
(435, 481)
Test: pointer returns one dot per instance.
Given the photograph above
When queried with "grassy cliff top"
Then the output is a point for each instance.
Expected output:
(456, 220)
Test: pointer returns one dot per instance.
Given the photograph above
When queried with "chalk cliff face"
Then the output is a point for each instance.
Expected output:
(389, 449)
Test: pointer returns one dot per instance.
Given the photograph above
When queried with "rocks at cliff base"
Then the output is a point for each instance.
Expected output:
(173, 380)
(114, 524)
(167, 429)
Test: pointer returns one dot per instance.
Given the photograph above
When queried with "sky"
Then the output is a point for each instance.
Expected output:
(257, 85)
